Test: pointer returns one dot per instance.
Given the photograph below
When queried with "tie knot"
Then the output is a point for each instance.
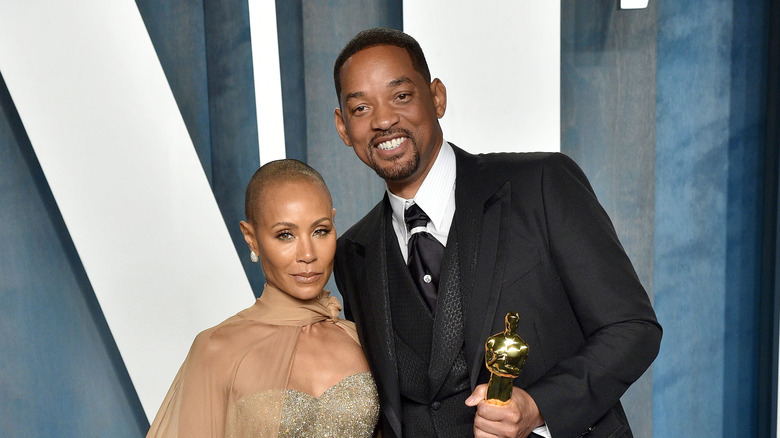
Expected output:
(415, 217)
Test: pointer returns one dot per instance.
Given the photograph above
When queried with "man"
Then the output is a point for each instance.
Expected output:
(482, 235)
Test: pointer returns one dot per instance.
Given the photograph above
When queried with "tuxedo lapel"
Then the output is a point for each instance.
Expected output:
(481, 213)
(488, 273)
(369, 251)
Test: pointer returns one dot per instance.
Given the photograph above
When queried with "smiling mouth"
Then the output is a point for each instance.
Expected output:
(391, 144)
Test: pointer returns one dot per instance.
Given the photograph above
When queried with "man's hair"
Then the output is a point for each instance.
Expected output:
(380, 36)
(273, 173)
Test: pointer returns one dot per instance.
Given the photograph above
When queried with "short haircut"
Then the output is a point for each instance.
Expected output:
(273, 173)
(380, 36)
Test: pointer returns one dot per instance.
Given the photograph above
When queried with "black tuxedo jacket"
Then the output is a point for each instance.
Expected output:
(531, 238)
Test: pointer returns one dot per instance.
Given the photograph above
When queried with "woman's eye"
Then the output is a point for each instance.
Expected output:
(284, 235)
(321, 232)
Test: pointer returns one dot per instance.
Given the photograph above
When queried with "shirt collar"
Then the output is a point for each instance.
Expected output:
(434, 193)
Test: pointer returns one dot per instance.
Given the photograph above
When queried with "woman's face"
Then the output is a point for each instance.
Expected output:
(294, 237)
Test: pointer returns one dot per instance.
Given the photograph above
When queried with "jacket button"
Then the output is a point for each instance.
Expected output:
(435, 405)
(590, 429)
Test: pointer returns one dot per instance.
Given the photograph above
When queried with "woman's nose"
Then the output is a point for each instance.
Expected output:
(306, 252)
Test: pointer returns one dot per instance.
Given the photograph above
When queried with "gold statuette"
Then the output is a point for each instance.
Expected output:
(505, 355)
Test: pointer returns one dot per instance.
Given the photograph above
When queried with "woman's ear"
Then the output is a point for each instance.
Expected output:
(249, 235)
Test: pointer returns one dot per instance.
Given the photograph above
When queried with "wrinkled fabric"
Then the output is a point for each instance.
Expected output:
(249, 355)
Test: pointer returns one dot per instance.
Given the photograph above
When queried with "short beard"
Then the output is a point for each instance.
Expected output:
(399, 171)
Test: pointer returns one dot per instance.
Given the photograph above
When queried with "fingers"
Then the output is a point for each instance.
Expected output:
(478, 395)
(516, 419)
(509, 413)
(488, 428)
(484, 427)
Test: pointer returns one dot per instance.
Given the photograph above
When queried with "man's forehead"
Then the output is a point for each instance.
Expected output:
(369, 65)
(390, 83)
(376, 56)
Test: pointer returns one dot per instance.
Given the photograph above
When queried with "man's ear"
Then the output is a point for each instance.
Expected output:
(341, 127)
(439, 96)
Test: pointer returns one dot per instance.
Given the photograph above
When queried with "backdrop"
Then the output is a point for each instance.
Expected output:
(128, 131)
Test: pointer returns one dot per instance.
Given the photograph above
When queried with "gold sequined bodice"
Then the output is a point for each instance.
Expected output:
(348, 409)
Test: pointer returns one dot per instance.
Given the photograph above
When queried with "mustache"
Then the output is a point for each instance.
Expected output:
(390, 133)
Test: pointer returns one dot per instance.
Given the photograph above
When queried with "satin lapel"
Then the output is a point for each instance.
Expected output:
(488, 274)
(481, 214)
(469, 201)
(376, 308)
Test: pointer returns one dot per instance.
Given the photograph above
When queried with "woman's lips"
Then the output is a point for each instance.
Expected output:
(307, 277)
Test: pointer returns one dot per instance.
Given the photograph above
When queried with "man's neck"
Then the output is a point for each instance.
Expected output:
(405, 190)
(408, 188)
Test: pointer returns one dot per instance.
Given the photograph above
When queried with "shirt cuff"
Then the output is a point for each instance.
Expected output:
(543, 431)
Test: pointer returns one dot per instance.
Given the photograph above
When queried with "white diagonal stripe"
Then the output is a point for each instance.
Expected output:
(268, 89)
(93, 98)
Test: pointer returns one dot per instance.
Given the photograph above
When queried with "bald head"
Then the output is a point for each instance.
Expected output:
(271, 175)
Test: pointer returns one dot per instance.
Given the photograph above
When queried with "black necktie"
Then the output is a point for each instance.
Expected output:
(425, 255)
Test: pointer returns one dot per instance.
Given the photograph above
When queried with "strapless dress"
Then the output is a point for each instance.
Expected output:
(349, 408)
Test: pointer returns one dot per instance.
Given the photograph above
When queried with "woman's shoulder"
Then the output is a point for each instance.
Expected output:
(234, 336)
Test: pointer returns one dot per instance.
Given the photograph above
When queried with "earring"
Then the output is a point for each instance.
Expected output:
(253, 257)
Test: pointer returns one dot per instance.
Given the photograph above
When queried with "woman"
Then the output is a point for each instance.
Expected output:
(287, 366)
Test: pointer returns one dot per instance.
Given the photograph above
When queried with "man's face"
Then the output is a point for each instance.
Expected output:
(389, 115)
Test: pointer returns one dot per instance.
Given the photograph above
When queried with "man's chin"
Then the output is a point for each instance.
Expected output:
(394, 175)
(396, 172)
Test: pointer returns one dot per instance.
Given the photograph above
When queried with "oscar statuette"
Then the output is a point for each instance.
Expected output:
(505, 354)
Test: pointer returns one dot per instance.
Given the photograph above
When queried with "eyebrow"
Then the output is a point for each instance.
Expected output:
(354, 95)
(292, 225)
(399, 81)
(391, 84)
(321, 220)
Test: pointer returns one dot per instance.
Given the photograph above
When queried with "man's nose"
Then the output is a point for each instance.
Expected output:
(385, 116)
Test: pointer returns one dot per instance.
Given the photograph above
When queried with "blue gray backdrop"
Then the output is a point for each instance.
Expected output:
(672, 111)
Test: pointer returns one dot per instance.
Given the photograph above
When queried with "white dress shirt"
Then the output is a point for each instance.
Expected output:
(436, 197)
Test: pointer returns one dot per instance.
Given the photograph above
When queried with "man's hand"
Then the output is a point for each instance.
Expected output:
(517, 419)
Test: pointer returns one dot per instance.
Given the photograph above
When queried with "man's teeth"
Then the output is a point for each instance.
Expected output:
(391, 144)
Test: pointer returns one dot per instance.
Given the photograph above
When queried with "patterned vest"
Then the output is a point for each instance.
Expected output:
(432, 370)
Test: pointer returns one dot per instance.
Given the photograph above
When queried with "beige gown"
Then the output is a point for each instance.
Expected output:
(234, 379)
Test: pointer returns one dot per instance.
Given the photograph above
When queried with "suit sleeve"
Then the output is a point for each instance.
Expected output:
(338, 275)
(620, 330)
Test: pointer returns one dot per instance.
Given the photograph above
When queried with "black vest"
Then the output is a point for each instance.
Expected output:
(432, 370)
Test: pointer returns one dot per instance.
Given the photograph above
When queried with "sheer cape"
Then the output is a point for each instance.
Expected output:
(248, 355)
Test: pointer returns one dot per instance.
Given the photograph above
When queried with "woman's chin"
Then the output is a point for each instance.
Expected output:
(305, 290)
